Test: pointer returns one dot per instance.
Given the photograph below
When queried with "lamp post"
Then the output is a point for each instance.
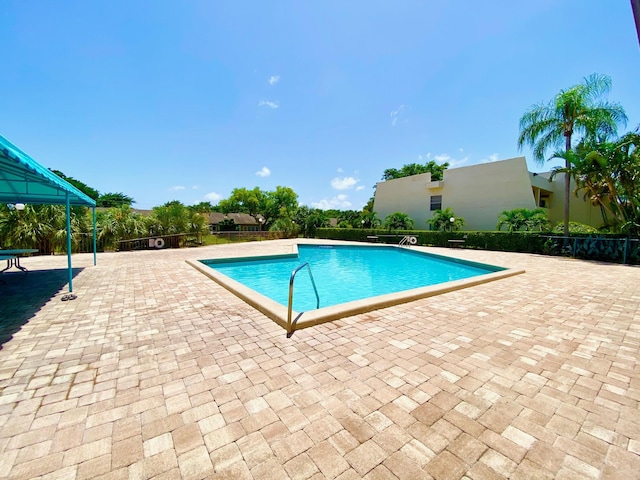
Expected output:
(362, 223)
(260, 221)
(452, 220)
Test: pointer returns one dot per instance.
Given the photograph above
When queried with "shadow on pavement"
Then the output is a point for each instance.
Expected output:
(23, 294)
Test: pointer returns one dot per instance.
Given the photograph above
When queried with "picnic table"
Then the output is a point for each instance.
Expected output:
(13, 257)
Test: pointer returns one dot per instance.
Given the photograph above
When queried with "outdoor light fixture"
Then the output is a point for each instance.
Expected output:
(19, 206)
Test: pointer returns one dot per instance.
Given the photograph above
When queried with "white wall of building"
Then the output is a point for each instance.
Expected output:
(479, 194)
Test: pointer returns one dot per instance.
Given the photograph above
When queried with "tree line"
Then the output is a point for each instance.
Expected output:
(581, 127)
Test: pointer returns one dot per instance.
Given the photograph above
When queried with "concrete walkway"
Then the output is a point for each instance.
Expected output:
(154, 371)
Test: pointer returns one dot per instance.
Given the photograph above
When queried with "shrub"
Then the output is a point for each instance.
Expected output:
(398, 221)
(524, 219)
(441, 220)
(575, 228)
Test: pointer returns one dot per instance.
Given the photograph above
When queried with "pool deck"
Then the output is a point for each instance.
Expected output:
(155, 371)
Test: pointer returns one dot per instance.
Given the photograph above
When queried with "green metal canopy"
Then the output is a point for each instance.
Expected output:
(23, 180)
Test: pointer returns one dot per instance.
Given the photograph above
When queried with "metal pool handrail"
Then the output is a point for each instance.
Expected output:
(408, 240)
(293, 276)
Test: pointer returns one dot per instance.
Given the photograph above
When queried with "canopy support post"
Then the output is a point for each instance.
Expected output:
(69, 243)
(94, 236)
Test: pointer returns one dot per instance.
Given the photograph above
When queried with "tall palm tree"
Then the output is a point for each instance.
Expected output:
(608, 173)
(578, 110)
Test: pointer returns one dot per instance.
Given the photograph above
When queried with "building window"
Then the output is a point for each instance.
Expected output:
(436, 202)
(544, 201)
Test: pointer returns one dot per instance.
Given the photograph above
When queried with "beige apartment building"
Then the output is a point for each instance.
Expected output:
(480, 193)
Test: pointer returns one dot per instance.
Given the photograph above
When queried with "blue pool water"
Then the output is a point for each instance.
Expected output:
(344, 273)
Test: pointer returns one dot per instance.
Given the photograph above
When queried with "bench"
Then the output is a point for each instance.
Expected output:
(372, 238)
(453, 242)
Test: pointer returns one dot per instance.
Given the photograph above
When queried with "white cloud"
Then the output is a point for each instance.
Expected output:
(274, 79)
(339, 201)
(195, 187)
(491, 158)
(395, 114)
(359, 187)
(267, 103)
(213, 196)
(443, 157)
(263, 172)
(340, 170)
(343, 183)
(457, 162)
(177, 188)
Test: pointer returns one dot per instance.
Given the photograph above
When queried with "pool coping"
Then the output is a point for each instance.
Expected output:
(279, 313)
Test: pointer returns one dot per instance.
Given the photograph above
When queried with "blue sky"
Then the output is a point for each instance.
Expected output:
(185, 100)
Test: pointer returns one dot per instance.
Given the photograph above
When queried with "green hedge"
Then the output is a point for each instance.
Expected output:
(604, 247)
(500, 241)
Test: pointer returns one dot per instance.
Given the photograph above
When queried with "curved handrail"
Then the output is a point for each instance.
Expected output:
(293, 276)
(408, 240)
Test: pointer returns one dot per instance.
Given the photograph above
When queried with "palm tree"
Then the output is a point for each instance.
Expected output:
(369, 219)
(120, 223)
(608, 173)
(523, 219)
(441, 220)
(398, 221)
(514, 220)
(26, 228)
(577, 110)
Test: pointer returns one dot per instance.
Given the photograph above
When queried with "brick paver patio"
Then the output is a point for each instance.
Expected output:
(154, 371)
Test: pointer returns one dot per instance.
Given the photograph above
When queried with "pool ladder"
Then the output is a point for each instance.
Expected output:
(290, 307)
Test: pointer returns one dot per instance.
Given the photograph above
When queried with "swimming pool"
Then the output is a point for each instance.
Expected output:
(344, 273)
(350, 279)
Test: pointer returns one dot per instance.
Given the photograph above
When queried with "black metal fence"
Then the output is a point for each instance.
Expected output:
(618, 250)
(83, 243)
(162, 241)
(241, 236)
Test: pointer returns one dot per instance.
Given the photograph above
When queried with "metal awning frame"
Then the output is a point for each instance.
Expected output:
(23, 180)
